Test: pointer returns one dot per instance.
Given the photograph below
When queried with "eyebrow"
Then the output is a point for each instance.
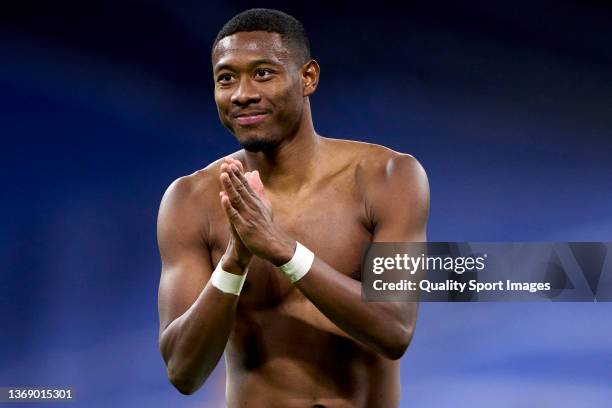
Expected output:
(261, 61)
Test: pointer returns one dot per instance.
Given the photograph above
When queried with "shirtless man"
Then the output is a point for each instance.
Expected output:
(314, 342)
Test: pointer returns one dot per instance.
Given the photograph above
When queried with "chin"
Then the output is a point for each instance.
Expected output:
(257, 143)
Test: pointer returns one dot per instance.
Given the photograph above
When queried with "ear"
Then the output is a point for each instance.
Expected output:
(310, 77)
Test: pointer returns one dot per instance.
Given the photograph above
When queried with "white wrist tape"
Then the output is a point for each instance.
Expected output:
(227, 282)
(299, 265)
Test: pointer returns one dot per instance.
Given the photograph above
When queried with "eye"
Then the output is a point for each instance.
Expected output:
(262, 73)
(225, 77)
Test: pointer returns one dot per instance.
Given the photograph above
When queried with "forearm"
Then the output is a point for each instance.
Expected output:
(194, 342)
(386, 327)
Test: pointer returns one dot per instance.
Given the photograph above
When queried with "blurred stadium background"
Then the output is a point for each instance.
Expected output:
(508, 106)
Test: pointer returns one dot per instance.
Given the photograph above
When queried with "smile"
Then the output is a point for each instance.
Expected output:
(248, 120)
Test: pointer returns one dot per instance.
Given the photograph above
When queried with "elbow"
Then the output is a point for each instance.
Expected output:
(181, 380)
(184, 382)
(183, 388)
(395, 352)
(184, 385)
(400, 340)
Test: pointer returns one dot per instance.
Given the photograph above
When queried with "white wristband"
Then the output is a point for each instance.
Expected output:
(227, 282)
(299, 265)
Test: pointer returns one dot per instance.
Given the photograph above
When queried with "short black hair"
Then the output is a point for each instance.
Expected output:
(272, 21)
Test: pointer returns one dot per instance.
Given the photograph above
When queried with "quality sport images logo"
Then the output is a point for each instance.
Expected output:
(477, 271)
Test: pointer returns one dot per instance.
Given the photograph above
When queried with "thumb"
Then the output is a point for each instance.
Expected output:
(257, 185)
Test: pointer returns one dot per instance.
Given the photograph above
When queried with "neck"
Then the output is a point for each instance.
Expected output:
(292, 162)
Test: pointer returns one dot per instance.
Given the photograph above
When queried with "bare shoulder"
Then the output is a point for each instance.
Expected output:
(199, 188)
(395, 190)
(191, 190)
(188, 202)
(376, 164)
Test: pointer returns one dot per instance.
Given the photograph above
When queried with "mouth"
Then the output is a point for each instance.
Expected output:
(249, 119)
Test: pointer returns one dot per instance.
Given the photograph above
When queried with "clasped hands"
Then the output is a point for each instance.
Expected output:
(249, 212)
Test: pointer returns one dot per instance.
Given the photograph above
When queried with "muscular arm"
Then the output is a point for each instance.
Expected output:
(397, 199)
(398, 202)
(195, 317)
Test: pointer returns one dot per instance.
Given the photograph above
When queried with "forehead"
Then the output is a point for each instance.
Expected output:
(250, 45)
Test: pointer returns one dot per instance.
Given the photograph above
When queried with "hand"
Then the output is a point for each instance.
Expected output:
(237, 255)
(250, 213)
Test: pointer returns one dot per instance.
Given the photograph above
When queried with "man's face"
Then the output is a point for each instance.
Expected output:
(258, 88)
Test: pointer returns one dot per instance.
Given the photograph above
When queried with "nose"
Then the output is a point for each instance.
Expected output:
(246, 93)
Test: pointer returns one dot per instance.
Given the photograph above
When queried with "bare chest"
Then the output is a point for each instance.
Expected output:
(331, 223)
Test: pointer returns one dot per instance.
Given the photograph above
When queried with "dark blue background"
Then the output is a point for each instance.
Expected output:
(508, 106)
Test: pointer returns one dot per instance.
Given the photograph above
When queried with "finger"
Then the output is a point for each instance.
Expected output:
(239, 164)
(234, 197)
(231, 160)
(233, 231)
(232, 214)
(257, 185)
(252, 183)
(248, 176)
(259, 188)
(242, 185)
